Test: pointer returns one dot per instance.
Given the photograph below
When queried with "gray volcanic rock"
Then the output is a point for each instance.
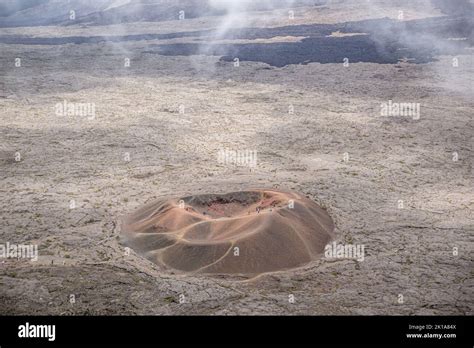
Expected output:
(104, 12)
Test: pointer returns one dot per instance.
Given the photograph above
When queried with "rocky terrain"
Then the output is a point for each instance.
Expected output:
(303, 86)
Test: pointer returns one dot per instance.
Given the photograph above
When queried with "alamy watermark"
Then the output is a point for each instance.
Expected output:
(345, 251)
(86, 110)
(242, 158)
(37, 331)
(19, 251)
(392, 109)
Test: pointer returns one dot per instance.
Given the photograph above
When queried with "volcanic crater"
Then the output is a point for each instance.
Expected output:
(239, 233)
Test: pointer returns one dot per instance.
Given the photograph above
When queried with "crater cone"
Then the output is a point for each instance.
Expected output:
(241, 233)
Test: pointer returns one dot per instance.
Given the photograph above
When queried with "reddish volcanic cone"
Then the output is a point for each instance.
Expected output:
(241, 233)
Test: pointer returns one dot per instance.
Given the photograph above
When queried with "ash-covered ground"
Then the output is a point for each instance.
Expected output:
(157, 94)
